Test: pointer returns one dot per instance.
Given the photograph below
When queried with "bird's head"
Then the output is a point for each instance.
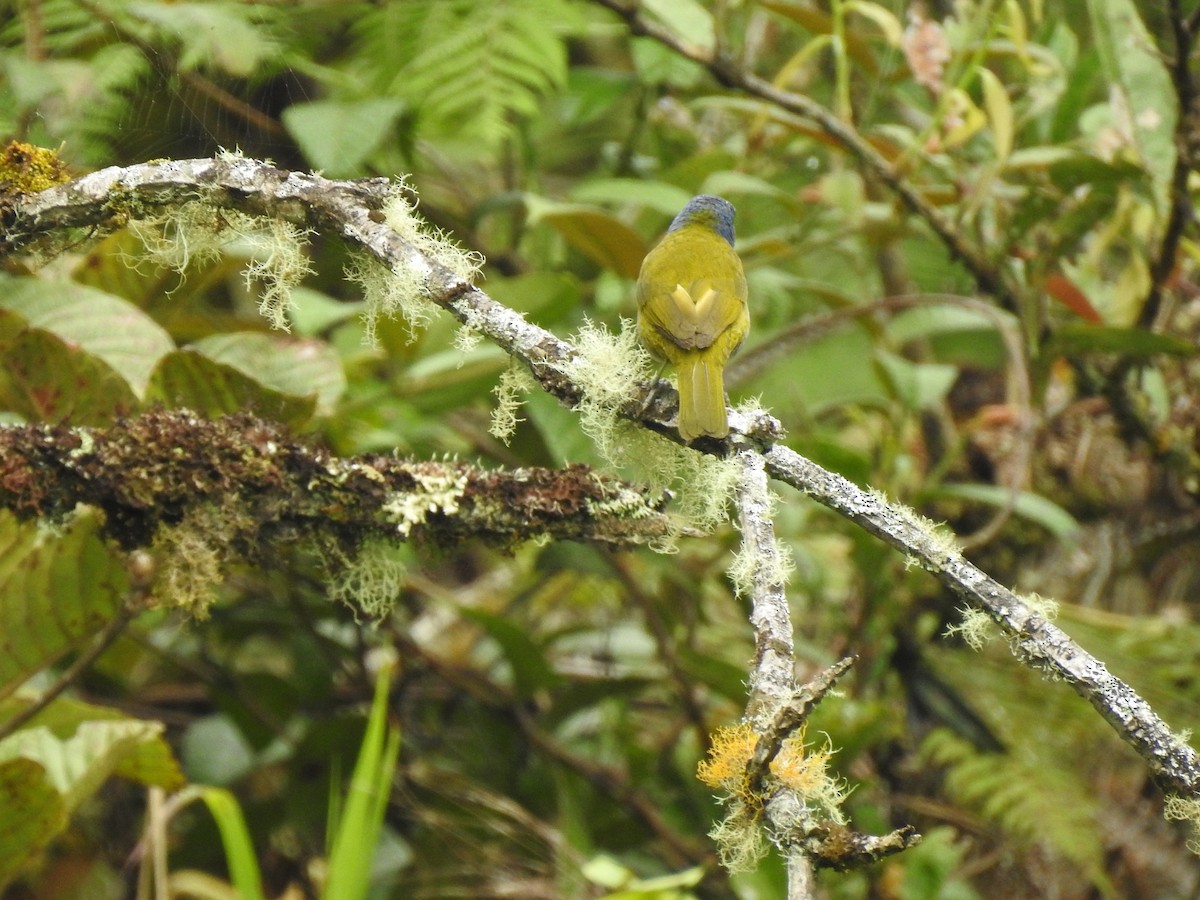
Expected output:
(714, 212)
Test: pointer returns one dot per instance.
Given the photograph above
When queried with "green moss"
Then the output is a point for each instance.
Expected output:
(26, 169)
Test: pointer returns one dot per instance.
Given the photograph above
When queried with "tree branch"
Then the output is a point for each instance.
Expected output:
(1034, 641)
(260, 484)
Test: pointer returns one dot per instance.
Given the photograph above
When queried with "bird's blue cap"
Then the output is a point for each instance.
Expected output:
(706, 209)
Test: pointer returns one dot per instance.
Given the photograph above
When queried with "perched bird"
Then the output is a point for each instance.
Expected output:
(691, 296)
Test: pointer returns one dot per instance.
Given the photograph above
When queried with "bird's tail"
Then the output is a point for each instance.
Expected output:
(701, 398)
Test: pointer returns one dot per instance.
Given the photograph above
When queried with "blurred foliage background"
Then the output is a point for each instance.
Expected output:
(553, 702)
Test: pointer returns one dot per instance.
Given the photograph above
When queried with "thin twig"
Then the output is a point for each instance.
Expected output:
(72, 673)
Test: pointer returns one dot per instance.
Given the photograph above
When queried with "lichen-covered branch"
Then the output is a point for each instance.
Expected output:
(798, 801)
(107, 200)
(760, 575)
(255, 486)
(1034, 641)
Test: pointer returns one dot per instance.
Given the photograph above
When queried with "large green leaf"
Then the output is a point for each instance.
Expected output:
(917, 385)
(57, 588)
(1033, 507)
(104, 325)
(151, 762)
(665, 198)
(32, 810)
(288, 365)
(1137, 76)
(338, 136)
(211, 34)
(530, 669)
(470, 70)
(598, 234)
(46, 379)
(43, 778)
(1134, 342)
(189, 379)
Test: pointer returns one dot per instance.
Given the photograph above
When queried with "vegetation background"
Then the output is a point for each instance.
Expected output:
(553, 701)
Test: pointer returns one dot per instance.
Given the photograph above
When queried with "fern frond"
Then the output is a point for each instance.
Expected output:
(1033, 802)
(471, 71)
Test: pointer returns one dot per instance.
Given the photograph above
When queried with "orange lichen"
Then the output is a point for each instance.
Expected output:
(728, 760)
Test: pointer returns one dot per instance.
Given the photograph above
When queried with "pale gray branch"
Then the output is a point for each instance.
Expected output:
(1035, 641)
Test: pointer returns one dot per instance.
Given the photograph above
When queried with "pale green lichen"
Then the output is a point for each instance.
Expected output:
(975, 628)
(438, 491)
(937, 546)
(609, 369)
(467, 339)
(1185, 809)
(741, 843)
(199, 232)
(748, 567)
(515, 383)
(189, 559)
(404, 289)
(371, 581)
(621, 503)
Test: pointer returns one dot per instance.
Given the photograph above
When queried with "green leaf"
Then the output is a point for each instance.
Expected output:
(235, 838)
(687, 18)
(189, 379)
(45, 379)
(56, 590)
(152, 762)
(212, 34)
(531, 671)
(598, 234)
(665, 198)
(1032, 507)
(1135, 342)
(291, 366)
(44, 778)
(315, 312)
(1146, 109)
(357, 832)
(337, 137)
(470, 70)
(917, 385)
(104, 325)
(927, 320)
(999, 113)
(883, 18)
(33, 813)
(728, 680)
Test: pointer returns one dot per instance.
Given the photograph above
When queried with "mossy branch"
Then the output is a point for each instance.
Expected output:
(255, 486)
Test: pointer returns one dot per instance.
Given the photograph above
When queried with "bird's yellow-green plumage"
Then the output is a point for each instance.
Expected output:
(692, 312)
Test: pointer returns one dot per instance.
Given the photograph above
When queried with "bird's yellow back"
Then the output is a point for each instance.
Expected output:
(692, 311)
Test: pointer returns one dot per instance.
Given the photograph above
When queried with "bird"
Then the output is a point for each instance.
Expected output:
(692, 312)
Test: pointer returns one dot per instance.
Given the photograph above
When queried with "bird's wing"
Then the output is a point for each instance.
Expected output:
(693, 316)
